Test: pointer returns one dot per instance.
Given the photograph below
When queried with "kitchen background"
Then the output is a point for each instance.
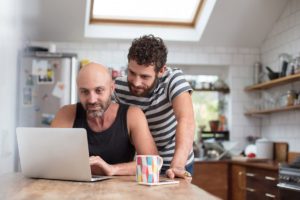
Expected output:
(19, 27)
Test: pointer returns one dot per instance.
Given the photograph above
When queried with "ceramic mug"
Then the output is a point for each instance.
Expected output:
(148, 168)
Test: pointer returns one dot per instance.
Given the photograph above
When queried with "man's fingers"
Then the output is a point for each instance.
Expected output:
(178, 172)
(170, 173)
(95, 160)
(182, 173)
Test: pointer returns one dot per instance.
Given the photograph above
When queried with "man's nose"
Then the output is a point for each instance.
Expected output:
(136, 81)
(92, 98)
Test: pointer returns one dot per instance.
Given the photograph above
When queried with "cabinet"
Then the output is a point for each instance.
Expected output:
(252, 181)
(237, 182)
(271, 84)
(212, 176)
(261, 184)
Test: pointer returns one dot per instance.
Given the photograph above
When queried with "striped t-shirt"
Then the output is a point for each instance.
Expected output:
(158, 110)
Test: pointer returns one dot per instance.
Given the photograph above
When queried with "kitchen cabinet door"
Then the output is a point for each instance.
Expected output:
(237, 182)
(212, 176)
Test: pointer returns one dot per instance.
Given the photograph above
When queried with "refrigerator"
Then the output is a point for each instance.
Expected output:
(46, 82)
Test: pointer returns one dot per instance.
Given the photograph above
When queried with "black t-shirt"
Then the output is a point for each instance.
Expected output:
(112, 145)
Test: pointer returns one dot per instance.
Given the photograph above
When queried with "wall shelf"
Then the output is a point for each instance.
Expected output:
(223, 90)
(218, 135)
(273, 83)
(264, 112)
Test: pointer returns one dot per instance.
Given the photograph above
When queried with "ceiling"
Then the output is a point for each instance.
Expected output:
(234, 23)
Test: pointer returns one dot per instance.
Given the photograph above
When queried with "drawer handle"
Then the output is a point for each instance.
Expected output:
(270, 195)
(270, 178)
(250, 174)
(250, 189)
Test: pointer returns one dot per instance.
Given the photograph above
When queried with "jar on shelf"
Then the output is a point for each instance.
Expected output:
(291, 97)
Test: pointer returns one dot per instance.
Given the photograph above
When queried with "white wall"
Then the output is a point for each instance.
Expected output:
(284, 38)
(239, 62)
(9, 42)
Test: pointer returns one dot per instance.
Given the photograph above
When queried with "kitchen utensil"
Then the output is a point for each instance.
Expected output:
(264, 148)
(285, 59)
(281, 151)
(257, 72)
(271, 74)
(148, 168)
(250, 149)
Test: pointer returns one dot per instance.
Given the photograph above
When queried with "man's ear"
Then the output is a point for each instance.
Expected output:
(113, 86)
(162, 71)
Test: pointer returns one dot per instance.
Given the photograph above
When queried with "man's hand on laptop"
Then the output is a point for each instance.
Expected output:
(100, 167)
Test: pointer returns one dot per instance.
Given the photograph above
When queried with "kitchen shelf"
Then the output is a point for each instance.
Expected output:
(224, 90)
(264, 112)
(273, 83)
(218, 135)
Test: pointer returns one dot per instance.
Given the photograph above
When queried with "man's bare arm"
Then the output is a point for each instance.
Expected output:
(139, 132)
(65, 117)
(184, 134)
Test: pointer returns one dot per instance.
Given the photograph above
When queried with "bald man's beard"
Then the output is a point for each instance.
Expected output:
(96, 110)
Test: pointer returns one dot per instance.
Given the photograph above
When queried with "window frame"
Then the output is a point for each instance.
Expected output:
(192, 24)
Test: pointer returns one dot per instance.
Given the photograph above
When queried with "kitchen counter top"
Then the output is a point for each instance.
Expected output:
(16, 186)
(267, 164)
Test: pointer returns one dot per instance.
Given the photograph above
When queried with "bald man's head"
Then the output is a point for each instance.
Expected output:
(95, 88)
(93, 71)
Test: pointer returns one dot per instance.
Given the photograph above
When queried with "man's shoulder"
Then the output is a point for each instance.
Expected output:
(121, 80)
(65, 116)
(134, 113)
(68, 110)
(172, 72)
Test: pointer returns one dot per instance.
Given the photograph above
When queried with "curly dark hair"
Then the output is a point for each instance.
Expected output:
(148, 50)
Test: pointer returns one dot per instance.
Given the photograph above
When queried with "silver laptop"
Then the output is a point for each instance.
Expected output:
(55, 153)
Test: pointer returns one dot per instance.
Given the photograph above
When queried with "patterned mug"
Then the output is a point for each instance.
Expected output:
(148, 168)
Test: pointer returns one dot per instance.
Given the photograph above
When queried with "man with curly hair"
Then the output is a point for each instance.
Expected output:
(164, 96)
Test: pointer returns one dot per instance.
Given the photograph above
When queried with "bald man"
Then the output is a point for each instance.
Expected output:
(115, 131)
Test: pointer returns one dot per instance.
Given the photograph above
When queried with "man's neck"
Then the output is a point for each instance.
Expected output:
(96, 122)
(102, 123)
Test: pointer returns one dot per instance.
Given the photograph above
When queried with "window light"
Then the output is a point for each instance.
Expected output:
(172, 12)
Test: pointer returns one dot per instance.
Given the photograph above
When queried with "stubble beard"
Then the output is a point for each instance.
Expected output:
(99, 112)
(146, 91)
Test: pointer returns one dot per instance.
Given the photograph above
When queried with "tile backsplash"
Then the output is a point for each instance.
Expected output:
(283, 38)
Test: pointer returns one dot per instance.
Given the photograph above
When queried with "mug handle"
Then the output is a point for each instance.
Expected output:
(161, 162)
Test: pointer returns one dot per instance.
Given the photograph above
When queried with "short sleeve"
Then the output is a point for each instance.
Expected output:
(177, 84)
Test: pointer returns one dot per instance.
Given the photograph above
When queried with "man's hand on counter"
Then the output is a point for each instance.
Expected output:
(174, 172)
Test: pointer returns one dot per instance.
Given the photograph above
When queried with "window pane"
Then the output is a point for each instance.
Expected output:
(205, 108)
(154, 10)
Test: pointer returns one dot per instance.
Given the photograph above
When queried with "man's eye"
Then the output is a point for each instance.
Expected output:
(131, 72)
(144, 77)
(99, 91)
(85, 92)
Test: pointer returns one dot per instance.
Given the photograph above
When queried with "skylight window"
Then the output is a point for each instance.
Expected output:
(165, 12)
(173, 20)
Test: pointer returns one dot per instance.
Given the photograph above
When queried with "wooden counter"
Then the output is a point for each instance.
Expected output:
(227, 178)
(16, 186)
(269, 164)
